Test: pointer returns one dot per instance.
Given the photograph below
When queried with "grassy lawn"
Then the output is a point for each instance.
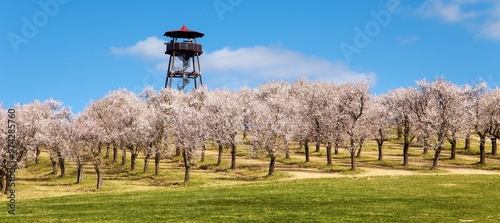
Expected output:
(452, 198)
(246, 194)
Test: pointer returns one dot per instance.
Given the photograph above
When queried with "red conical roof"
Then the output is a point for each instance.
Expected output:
(184, 32)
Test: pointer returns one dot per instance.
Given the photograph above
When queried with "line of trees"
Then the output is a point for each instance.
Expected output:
(170, 122)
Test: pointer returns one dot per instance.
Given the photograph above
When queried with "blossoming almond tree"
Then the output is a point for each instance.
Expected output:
(4, 156)
(275, 120)
(352, 102)
(54, 128)
(224, 120)
(190, 128)
(86, 131)
(444, 102)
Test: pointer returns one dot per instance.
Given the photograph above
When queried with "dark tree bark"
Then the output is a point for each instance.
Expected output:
(133, 156)
(54, 166)
(318, 146)
(79, 170)
(436, 158)
(482, 148)
(157, 162)
(426, 145)
(406, 149)
(380, 143)
(115, 153)
(467, 142)
(146, 160)
(352, 151)
(306, 149)
(453, 143)
(360, 148)
(329, 153)
(219, 157)
(336, 148)
(99, 148)
(287, 151)
(7, 180)
(37, 155)
(203, 149)
(245, 130)
(2, 176)
(271, 165)
(107, 151)
(187, 166)
(400, 133)
(493, 146)
(353, 161)
(124, 155)
(99, 176)
(62, 167)
(233, 156)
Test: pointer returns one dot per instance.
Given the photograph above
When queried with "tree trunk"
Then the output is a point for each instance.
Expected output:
(467, 142)
(336, 148)
(329, 153)
(271, 165)
(99, 148)
(62, 167)
(37, 155)
(124, 156)
(233, 156)
(482, 149)
(406, 149)
(1, 181)
(107, 151)
(203, 149)
(380, 143)
(426, 145)
(360, 148)
(287, 151)
(245, 130)
(157, 162)
(400, 133)
(306, 149)
(318, 146)
(54, 166)
(115, 153)
(7, 180)
(453, 143)
(146, 160)
(99, 176)
(79, 176)
(219, 157)
(493, 146)
(352, 151)
(436, 158)
(133, 157)
(187, 166)
(353, 160)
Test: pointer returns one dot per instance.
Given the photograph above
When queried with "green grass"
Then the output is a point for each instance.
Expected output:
(377, 199)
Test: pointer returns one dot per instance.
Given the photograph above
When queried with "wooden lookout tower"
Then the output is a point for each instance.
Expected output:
(184, 62)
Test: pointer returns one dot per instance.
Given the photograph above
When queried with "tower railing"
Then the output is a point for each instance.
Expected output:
(183, 46)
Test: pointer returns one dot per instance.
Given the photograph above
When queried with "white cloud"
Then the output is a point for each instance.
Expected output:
(252, 64)
(407, 40)
(480, 16)
(150, 48)
(448, 11)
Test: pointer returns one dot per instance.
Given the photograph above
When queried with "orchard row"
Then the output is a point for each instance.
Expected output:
(271, 116)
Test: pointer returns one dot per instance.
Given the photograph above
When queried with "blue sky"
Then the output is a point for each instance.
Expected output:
(76, 51)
